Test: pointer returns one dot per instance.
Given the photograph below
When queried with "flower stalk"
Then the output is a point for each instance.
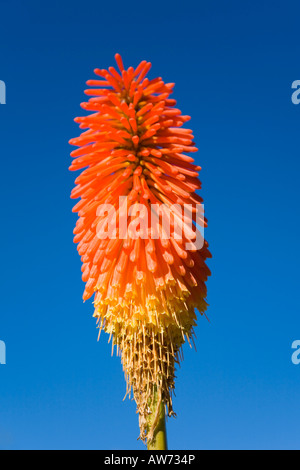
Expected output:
(157, 420)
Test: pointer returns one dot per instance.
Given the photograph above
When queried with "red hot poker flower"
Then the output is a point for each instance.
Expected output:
(147, 283)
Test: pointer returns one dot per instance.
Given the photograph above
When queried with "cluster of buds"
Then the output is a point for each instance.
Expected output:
(147, 284)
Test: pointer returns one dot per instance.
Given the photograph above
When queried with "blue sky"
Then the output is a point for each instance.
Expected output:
(233, 64)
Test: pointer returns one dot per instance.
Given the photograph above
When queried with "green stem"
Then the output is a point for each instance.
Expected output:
(159, 441)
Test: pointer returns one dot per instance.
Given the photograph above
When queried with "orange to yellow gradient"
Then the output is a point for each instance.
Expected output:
(146, 288)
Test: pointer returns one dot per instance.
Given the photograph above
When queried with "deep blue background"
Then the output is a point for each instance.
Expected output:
(233, 63)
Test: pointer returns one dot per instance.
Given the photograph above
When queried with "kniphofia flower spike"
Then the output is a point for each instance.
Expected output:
(146, 287)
